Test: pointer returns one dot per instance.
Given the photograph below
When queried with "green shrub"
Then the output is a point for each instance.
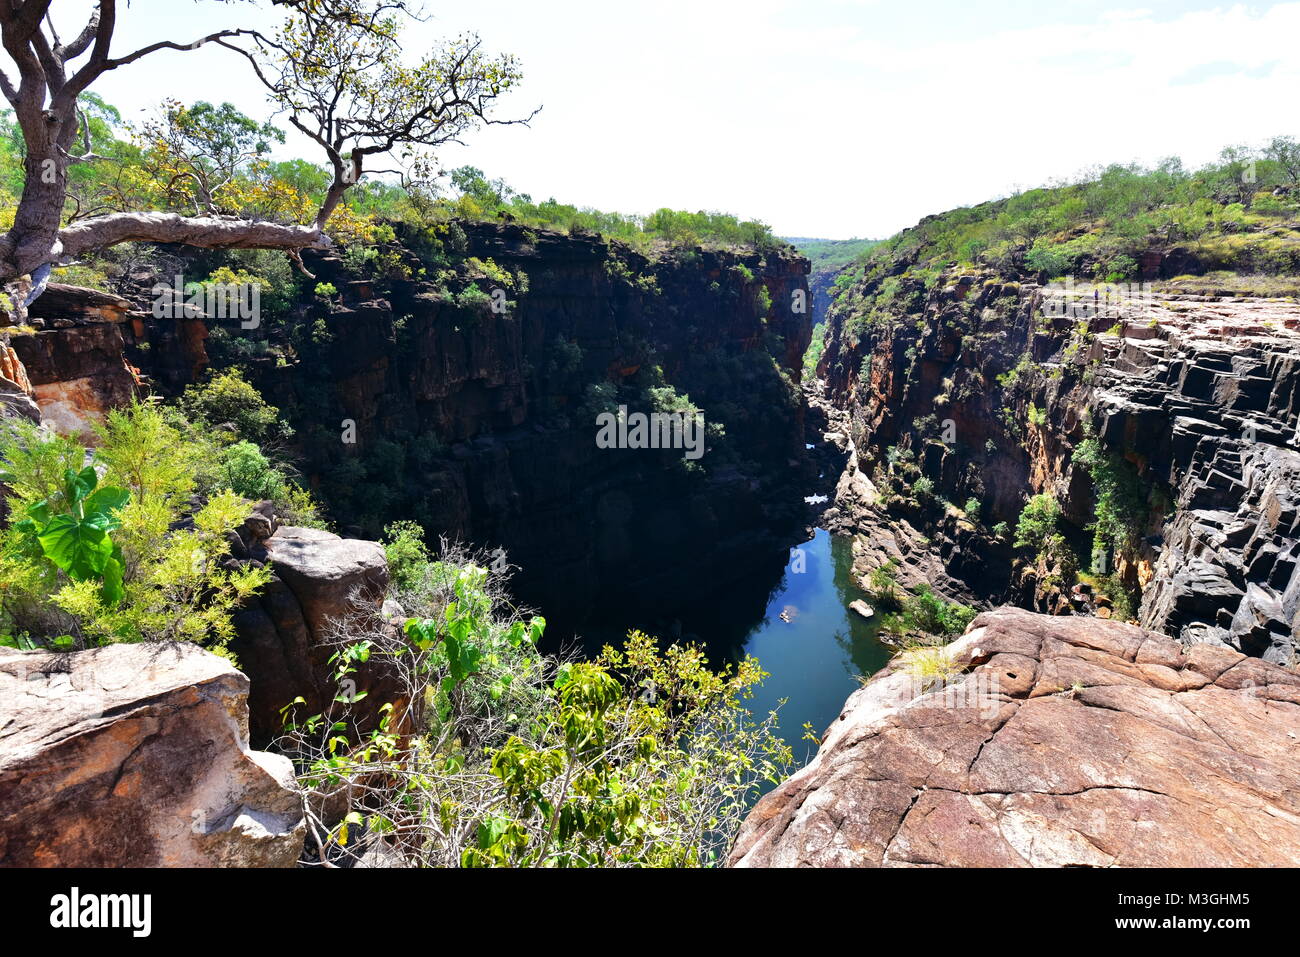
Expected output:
(408, 556)
(926, 612)
(1121, 511)
(1037, 522)
(882, 584)
(245, 471)
(147, 566)
(228, 398)
(500, 756)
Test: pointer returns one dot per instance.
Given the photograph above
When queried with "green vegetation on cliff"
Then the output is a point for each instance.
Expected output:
(130, 542)
(1122, 510)
(493, 754)
(481, 198)
(1236, 216)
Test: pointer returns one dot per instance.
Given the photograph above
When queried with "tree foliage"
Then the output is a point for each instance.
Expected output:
(497, 755)
(334, 67)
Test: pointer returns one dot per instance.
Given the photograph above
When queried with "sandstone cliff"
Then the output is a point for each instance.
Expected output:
(415, 399)
(969, 381)
(1064, 742)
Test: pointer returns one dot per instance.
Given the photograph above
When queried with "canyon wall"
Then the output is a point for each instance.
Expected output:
(985, 385)
(473, 410)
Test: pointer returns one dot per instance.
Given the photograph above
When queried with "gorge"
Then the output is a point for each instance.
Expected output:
(1161, 433)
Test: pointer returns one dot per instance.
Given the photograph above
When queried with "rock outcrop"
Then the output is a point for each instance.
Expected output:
(75, 363)
(137, 756)
(979, 387)
(283, 634)
(1064, 742)
(1208, 401)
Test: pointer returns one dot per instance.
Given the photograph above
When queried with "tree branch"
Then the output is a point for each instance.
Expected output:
(206, 232)
(83, 40)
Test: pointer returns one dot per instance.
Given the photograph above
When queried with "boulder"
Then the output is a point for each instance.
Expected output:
(862, 608)
(282, 636)
(327, 573)
(137, 756)
(1063, 742)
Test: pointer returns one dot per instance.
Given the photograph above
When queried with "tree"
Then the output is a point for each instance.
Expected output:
(1234, 179)
(1285, 152)
(196, 152)
(1037, 522)
(335, 67)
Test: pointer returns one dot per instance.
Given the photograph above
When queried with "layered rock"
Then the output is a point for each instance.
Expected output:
(1208, 400)
(287, 634)
(480, 424)
(75, 362)
(137, 756)
(989, 390)
(1062, 742)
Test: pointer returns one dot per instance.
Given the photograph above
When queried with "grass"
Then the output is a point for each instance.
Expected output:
(1226, 283)
(931, 666)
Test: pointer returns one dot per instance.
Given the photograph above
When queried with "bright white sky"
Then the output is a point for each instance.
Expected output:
(834, 118)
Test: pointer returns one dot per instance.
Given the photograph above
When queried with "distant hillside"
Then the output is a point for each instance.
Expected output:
(1232, 226)
(828, 257)
(830, 254)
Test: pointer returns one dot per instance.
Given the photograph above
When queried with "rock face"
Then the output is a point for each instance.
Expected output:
(76, 363)
(988, 396)
(480, 424)
(137, 756)
(282, 633)
(1210, 401)
(1065, 742)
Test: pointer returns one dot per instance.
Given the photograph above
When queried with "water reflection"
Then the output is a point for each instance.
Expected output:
(796, 620)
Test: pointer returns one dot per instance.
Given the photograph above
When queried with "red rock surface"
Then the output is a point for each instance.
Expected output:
(137, 755)
(1066, 742)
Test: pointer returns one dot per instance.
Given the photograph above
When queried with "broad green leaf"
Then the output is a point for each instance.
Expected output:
(110, 498)
(113, 590)
(77, 485)
(40, 512)
(78, 548)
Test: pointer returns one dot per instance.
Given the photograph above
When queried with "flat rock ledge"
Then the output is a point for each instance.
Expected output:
(1064, 742)
(137, 756)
